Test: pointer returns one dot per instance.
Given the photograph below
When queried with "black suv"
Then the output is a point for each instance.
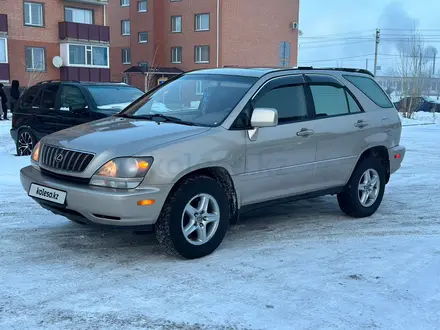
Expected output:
(51, 106)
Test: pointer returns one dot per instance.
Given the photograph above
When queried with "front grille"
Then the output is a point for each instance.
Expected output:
(66, 178)
(64, 159)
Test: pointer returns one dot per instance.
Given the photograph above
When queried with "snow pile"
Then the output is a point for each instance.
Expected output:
(421, 118)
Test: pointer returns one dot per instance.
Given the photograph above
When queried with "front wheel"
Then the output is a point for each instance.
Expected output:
(25, 142)
(364, 191)
(194, 219)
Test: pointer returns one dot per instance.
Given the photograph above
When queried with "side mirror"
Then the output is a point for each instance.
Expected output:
(264, 117)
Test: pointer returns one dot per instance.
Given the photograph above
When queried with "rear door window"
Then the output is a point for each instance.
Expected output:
(371, 89)
(329, 101)
(48, 97)
(30, 97)
(72, 98)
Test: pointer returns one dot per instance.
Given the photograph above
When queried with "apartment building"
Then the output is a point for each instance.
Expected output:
(54, 39)
(161, 38)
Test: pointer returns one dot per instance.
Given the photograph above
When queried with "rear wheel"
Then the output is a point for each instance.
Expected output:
(25, 142)
(194, 219)
(364, 191)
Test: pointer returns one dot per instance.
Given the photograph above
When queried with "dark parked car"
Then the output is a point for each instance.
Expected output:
(55, 105)
(418, 104)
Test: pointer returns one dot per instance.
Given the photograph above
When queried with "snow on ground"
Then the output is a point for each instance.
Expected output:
(421, 118)
(301, 265)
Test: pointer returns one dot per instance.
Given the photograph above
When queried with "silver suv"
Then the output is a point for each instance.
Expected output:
(188, 156)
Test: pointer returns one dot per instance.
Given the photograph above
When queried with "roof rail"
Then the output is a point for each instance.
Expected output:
(55, 80)
(354, 70)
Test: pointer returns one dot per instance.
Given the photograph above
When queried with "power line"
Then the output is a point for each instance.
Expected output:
(336, 34)
(340, 58)
(333, 45)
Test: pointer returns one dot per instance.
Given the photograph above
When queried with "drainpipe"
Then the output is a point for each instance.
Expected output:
(218, 31)
(105, 15)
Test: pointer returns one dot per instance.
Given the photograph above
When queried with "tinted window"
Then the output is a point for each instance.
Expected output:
(49, 96)
(114, 97)
(329, 101)
(354, 107)
(371, 89)
(289, 101)
(72, 97)
(29, 96)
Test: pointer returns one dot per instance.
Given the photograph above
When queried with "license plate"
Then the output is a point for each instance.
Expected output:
(48, 194)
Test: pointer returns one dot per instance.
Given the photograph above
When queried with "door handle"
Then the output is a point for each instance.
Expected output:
(305, 132)
(361, 124)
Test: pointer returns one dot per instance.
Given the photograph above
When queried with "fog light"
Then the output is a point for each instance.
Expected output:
(146, 202)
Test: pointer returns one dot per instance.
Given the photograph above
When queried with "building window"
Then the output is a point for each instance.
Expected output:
(78, 15)
(125, 3)
(176, 55)
(3, 50)
(125, 28)
(126, 56)
(35, 59)
(201, 54)
(202, 22)
(81, 55)
(33, 14)
(142, 6)
(176, 24)
(143, 37)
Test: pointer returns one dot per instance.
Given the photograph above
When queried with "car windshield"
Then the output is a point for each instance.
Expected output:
(114, 97)
(200, 99)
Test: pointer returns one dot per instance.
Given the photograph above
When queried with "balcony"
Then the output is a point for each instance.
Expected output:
(86, 32)
(90, 2)
(3, 23)
(4, 72)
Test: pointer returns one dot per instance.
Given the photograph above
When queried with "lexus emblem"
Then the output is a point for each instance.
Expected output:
(59, 158)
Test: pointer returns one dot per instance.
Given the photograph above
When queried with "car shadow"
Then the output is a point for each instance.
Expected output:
(322, 211)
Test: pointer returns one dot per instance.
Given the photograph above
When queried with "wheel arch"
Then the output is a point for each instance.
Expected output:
(378, 151)
(222, 176)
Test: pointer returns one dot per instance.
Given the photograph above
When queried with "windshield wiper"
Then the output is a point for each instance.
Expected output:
(159, 118)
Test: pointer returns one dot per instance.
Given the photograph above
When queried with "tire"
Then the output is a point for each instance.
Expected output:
(25, 143)
(169, 228)
(350, 198)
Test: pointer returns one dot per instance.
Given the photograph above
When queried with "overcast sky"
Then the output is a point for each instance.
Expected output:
(342, 31)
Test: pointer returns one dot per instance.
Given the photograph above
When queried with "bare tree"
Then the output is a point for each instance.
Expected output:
(151, 72)
(33, 77)
(413, 68)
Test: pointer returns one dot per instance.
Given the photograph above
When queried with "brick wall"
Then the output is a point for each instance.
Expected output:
(190, 38)
(20, 36)
(251, 31)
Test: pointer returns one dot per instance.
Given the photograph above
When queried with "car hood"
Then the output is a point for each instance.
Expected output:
(121, 136)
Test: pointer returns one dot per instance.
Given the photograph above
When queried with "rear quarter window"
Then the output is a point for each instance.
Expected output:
(371, 89)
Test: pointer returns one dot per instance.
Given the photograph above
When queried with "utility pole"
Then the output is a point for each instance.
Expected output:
(366, 64)
(376, 50)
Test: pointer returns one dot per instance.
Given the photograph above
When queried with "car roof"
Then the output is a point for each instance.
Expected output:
(258, 72)
(83, 83)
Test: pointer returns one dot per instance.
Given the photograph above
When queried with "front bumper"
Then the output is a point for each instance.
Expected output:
(99, 205)
(396, 155)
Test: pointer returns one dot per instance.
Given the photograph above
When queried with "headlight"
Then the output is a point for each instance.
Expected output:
(36, 153)
(124, 173)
